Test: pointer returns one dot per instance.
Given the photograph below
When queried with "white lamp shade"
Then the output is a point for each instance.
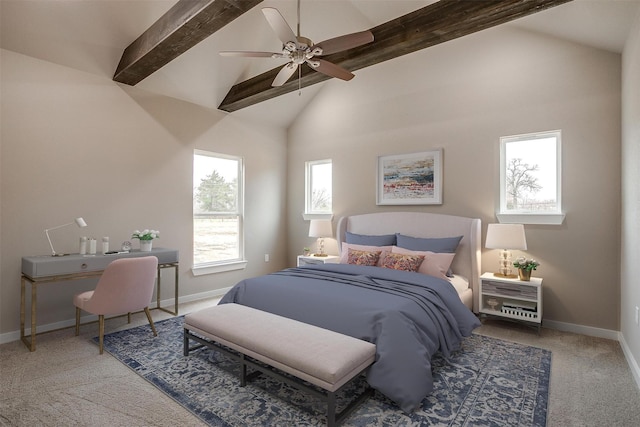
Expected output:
(506, 236)
(320, 228)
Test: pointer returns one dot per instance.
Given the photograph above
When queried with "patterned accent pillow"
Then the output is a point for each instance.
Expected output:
(434, 264)
(363, 257)
(344, 253)
(402, 261)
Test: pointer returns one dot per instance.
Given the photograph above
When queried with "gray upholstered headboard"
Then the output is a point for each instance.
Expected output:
(419, 224)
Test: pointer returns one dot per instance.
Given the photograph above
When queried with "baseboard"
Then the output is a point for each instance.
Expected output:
(581, 329)
(15, 335)
(633, 364)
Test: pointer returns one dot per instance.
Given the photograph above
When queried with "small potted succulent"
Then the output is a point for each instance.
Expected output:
(525, 267)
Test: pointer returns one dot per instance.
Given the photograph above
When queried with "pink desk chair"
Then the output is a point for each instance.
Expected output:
(126, 286)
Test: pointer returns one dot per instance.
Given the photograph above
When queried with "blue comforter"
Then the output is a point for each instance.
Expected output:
(408, 316)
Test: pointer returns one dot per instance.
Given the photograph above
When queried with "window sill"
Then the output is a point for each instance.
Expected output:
(218, 268)
(526, 218)
(310, 216)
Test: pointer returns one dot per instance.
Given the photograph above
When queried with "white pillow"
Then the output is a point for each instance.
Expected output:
(344, 254)
(434, 264)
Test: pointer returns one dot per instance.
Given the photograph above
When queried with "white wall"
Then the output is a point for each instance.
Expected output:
(78, 144)
(462, 96)
(630, 253)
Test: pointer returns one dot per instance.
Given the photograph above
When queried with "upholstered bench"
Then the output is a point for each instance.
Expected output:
(324, 358)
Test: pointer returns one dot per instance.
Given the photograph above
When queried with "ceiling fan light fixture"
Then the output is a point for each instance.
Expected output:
(298, 49)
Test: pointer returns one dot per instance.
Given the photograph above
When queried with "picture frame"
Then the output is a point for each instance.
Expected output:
(410, 179)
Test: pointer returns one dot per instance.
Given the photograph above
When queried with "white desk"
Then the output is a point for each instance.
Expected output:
(49, 269)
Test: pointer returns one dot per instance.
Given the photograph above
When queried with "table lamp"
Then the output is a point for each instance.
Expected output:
(78, 221)
(320, 228)
(505, 237)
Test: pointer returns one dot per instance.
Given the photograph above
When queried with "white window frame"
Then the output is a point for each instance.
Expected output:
(309, 213)
(509, 216)
(234, 263)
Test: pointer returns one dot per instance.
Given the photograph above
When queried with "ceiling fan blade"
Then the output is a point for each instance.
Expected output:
(284, 74)
(251, 54)
(279, 25)
(330, 69)
(345, 42)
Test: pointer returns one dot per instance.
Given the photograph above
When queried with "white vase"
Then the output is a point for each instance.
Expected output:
(145, 245)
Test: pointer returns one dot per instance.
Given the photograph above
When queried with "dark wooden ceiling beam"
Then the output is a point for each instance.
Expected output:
(186, 24)
(434, 24)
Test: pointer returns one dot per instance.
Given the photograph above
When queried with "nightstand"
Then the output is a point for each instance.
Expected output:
(511, 298)
(310, 259)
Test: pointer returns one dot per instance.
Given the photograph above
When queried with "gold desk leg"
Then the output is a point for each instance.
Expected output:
(22, 308)
(34, 292)
(175, 266)
(158, 292)
(30, 343)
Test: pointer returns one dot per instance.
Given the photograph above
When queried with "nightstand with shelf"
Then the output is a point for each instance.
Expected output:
(511, 298)
(312, 260)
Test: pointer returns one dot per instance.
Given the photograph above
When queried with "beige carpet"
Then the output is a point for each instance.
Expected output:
(66, 383)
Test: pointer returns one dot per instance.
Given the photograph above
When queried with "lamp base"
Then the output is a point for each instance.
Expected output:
(320, 255)
(506, 276)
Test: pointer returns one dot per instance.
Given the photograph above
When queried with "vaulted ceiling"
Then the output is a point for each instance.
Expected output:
(91, 36)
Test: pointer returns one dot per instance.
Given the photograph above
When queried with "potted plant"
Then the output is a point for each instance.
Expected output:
(525, 267)
(146, 237)
(306, 251)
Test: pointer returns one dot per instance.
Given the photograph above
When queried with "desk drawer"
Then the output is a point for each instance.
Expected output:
(44, 266)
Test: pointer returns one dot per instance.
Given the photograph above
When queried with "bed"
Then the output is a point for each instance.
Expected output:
(410, 316)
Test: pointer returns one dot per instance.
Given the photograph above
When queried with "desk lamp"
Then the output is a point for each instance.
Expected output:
(505, 237)
(78, 221)
(320, 228)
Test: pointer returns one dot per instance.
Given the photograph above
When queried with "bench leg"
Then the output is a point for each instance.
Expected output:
(185, 342)
(331, 409)
(243, 371)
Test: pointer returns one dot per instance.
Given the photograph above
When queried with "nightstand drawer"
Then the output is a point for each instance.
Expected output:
(509, 289)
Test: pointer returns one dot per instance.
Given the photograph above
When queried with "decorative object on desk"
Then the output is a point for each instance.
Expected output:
(126, 246)
(320, 228)
(306, 251)
(505, 237)
(525, 267)
(78, 221)
(410, 179)
(83, 245)
(105, 245)
(146, 237)
(92, 246)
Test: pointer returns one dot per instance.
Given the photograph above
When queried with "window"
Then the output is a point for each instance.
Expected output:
(318, 189)
(530, 179)
(217, 213)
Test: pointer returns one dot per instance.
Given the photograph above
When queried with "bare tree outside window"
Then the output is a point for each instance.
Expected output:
(521, 182)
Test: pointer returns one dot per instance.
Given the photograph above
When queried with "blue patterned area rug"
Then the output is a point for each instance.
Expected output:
(489, 382)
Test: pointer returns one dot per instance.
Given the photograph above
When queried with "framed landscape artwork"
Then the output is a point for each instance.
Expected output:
(410, 179)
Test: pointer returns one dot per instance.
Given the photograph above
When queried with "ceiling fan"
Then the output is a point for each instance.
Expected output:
(299, 50)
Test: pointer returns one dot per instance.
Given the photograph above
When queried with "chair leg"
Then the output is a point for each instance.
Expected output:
(101, 321)
(153, 328)
(77, 321)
